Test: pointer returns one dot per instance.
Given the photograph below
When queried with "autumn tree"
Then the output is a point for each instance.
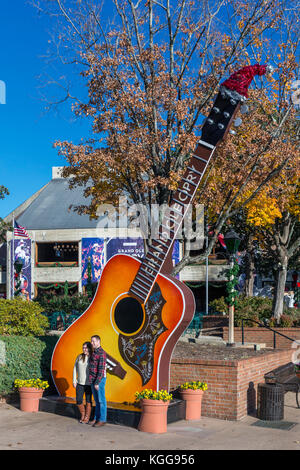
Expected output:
(279, 232)
(256, 174)
(270, 227)
(151, 70)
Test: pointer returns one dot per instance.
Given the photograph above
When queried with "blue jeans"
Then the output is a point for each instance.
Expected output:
(100, 400)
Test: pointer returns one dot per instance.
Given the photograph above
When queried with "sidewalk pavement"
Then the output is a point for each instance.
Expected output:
(46, 431)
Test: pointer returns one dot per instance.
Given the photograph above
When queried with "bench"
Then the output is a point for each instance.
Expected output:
(286, 376)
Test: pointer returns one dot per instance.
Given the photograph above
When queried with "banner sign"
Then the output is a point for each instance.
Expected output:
(135, 247)
(93, 253)
(21, 254)
(125, 246)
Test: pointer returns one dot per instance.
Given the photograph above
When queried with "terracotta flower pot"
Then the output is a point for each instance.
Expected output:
(193, 399)
(29, 399)
(154, 416)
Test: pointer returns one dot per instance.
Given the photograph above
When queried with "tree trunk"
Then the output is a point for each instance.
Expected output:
(249, 281)
(279, 292)
(249, 268)
(282, 237)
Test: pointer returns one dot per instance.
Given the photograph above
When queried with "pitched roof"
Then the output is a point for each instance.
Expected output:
(50, 210)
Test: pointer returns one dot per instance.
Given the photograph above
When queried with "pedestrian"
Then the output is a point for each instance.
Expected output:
(97, 379)
(81, 382)
(291, 299)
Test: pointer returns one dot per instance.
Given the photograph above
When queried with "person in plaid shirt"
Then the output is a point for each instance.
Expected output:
(97, 380)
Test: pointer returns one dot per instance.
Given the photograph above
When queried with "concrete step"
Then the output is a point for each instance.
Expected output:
(203, 340)
(256, 346)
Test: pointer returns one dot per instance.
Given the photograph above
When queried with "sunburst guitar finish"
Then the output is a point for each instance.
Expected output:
(138, 312)
(140, 337)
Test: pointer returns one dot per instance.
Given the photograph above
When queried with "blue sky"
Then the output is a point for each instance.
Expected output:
(27, 132)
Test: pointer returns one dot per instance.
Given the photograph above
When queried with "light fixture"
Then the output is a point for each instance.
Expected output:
(232, 241)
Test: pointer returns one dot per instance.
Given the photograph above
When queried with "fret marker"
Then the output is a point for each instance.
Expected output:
(140, 287)
(146, 278)
(200, 158)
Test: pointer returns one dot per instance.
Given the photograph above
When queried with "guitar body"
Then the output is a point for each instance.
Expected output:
(138, 312)
(140, 337)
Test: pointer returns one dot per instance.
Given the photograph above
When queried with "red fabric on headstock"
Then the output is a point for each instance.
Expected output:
(240, 80)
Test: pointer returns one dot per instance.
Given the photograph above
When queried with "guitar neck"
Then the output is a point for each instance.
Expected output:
(172, 220)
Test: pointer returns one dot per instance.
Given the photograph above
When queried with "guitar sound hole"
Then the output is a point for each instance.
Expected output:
(128, 315)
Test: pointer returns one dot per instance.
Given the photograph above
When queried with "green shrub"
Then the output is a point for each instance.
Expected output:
(25, 358)
(67, 304)
(219, 305)
(247, 308)
(286, 321)
(20, 317)
(252, 308)
(258, 309)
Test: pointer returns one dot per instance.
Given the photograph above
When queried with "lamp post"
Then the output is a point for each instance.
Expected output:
(206, 274)
(232, 241)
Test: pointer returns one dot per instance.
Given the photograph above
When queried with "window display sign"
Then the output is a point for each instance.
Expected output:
(93, 258)
(21, 268)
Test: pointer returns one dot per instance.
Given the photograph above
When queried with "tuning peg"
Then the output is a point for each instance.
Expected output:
(244, 109)
(210, 121)
(270, 69)
(216, 110)
(233, 102)
(226, 114)
(232, 132)
(221, 126)
(237, 122)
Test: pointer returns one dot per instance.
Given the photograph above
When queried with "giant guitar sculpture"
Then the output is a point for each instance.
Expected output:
(139, 310)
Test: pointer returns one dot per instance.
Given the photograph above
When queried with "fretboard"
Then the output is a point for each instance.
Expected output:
(172, 220)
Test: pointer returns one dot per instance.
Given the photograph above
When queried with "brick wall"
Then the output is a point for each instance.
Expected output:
(232, 385)
(212, 321)
(262, 335)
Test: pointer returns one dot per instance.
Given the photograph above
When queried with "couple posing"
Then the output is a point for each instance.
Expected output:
(89, 378)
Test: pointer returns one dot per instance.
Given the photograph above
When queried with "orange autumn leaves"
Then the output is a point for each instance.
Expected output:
(245, 172)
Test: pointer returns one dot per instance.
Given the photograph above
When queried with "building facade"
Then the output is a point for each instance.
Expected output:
(65, 250)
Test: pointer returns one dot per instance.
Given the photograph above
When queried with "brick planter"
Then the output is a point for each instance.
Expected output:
(232, 385)
(214, 321)
(262, 335)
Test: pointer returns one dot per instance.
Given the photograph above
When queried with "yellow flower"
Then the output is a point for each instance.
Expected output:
(194, 385)
(153, 395)
(34, 383)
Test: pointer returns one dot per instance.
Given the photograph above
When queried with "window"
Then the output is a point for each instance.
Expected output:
(60, 253)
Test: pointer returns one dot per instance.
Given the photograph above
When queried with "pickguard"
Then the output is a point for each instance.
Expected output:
(138, 350)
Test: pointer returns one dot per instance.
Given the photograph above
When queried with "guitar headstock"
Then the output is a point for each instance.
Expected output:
(220, 118)
(233, 92)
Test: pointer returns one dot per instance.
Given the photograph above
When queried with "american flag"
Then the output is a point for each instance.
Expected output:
(20, 231)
